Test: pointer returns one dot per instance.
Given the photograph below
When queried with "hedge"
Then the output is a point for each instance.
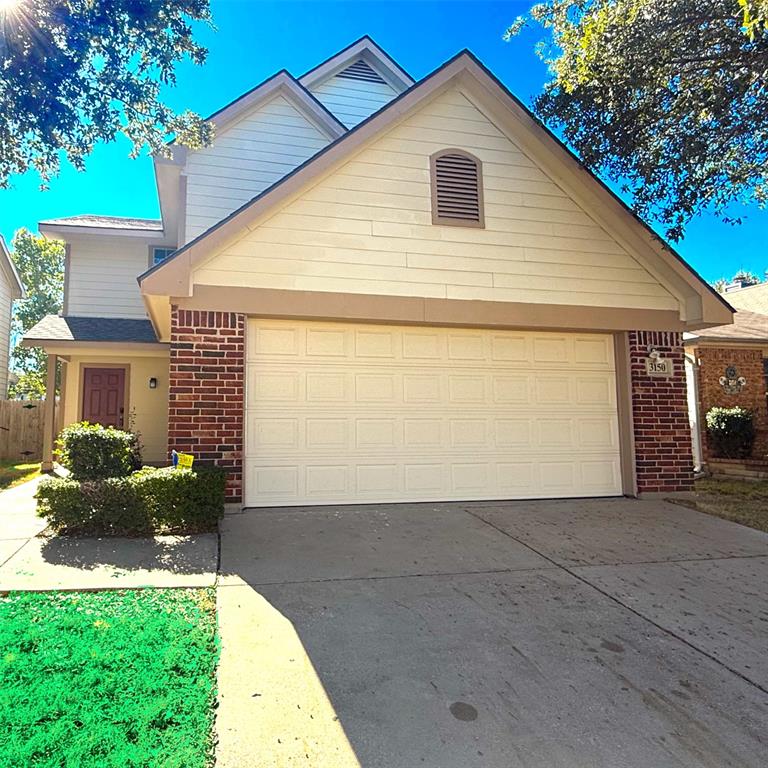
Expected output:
(167, 500)
(731, 432)
(94, 452)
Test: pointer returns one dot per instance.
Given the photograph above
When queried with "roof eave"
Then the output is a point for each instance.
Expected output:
(51, 228)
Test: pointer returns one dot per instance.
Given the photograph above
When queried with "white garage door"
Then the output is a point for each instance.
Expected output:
(344, 413)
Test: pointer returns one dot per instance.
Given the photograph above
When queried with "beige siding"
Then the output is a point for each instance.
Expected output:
(102, 277)
(148, 408)
(245, 159)
(367, 229)
(353, 100)
(5, 333)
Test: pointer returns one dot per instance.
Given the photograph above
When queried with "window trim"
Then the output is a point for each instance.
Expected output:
(447, 221)
(151, 256)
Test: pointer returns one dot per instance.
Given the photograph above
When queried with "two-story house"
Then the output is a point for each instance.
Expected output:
(375, 289)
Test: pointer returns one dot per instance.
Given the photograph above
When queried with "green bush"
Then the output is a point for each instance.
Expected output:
(167, 500)
(94, 452)
(731, 432)
(177, 499)
(109, 507)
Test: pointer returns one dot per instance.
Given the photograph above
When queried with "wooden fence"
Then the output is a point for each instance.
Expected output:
(21, 430)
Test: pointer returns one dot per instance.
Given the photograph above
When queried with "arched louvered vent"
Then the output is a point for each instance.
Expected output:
(457, 189)
(361, 70)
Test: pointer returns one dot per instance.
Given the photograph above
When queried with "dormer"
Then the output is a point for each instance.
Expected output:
(357, 81)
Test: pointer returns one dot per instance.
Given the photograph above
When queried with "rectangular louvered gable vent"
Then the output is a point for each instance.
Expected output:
(361, 70)
(457, 190)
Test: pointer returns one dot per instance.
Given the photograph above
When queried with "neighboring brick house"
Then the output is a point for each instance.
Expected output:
(372, 289)
(728, 366)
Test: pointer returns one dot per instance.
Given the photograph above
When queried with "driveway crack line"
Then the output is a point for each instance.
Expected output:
(664, 562)
(629, 608)
(390, 577)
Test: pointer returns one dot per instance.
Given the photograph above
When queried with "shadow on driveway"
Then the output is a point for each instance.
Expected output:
(459, 635)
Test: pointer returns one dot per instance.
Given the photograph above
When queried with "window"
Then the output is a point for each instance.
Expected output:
(457, 189)
(159, 254)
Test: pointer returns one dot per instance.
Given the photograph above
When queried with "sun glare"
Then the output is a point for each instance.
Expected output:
(9, 5)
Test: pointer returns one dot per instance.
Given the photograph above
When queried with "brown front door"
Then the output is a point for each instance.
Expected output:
(104, 396)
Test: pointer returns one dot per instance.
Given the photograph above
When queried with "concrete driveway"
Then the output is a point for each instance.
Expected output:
(540, 634)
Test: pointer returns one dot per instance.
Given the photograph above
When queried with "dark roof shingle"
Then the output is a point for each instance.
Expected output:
(92, 329)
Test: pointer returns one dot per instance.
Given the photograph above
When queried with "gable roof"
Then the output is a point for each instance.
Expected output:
(753, 298)
(283, 82)
(8, 268)
(746, 327)
(172, 276)
(367, 50)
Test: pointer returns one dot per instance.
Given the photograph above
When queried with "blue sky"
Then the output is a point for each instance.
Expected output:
(254, 38)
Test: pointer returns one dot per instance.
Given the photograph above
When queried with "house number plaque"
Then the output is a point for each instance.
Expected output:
(658, 366)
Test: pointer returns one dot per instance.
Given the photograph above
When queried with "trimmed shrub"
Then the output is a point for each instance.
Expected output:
(731, 432)
(94, 452)
(178, 499)
(110, 507)
(167, 500)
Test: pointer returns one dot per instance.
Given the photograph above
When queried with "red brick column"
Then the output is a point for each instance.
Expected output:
(663, 454)
(206, 390)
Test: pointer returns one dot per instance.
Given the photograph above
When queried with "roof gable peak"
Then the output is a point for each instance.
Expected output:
(374, 62)
(283, 83)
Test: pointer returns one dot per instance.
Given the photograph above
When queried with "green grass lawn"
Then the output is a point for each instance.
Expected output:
(12, 473)
(737, 500)
(119, 679)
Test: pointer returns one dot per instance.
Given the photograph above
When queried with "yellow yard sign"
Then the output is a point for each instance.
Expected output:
(185, 460)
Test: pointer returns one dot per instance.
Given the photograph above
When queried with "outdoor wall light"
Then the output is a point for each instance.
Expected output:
(153, 383)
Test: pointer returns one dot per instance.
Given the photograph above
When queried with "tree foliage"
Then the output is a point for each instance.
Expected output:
(40, 264)
(666, 97)
(742, 276)
(77, 72)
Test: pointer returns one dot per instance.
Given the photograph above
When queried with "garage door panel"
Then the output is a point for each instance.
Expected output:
(592, 350)
(421, 434)
(329, 434)
(378, 433)
(326, 387)
(365, 479)
(376, 344)
(338, 413)
(285, 434)
(326, 480)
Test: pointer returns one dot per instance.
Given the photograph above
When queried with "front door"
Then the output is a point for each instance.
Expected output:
(104, 396)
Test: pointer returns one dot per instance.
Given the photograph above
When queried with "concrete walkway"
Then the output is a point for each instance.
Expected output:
(30, 560)
(574, 634)
(18, 521)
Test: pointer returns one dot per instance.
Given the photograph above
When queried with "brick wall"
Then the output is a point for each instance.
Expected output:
(663, 452)
(749, 364)
(206, 389)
